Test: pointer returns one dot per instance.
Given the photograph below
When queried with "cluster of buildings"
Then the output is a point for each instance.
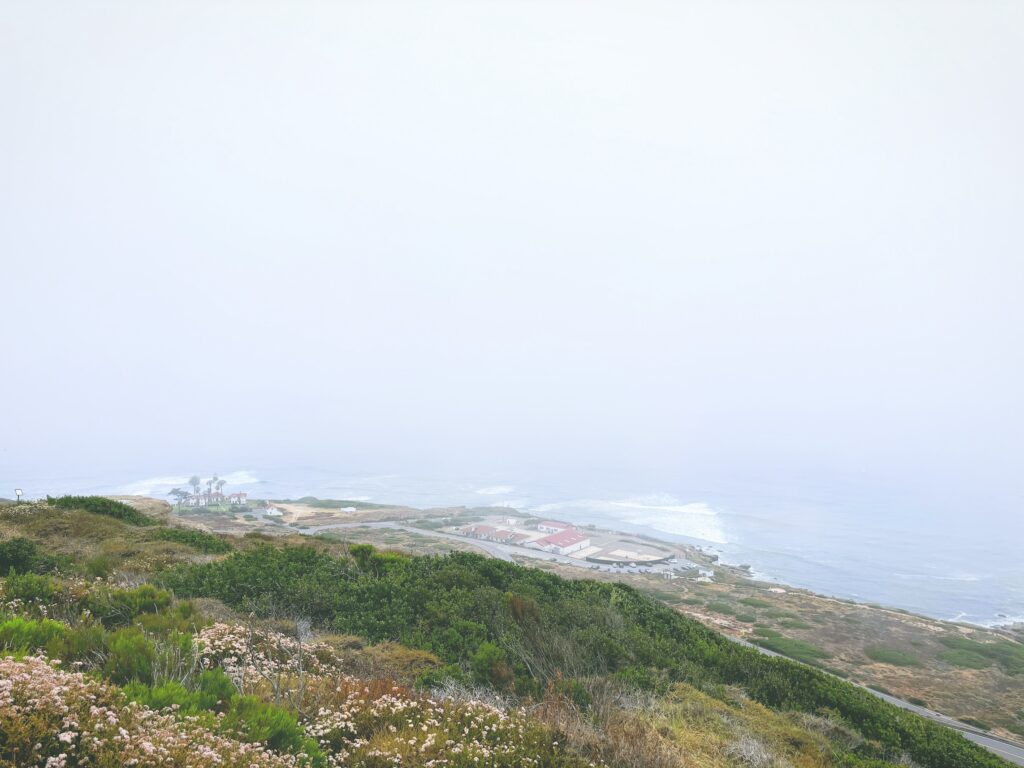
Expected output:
(549, 536)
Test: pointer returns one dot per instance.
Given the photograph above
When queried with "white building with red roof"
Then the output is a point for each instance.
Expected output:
(564, 542)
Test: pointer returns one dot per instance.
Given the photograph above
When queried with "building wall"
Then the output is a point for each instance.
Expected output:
(573, 547)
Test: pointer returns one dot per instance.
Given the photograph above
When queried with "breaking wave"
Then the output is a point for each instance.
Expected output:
(159, 486)
(495, 490)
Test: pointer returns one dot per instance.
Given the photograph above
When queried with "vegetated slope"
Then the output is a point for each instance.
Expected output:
(575, 672)
(518, 628)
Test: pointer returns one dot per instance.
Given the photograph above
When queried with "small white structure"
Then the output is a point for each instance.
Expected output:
(272, 511)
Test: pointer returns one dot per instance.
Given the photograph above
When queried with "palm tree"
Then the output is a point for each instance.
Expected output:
(194, 481)
(220, 485)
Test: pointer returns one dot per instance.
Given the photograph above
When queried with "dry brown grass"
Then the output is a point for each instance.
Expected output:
(687, 728)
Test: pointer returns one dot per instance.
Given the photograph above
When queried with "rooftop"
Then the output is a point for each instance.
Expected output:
(563, 539)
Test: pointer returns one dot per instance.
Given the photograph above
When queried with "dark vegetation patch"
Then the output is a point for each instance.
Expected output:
(965, 652)
(800, 650)
(23, 555)
(894, 656)
(100, 505)
(198, 540)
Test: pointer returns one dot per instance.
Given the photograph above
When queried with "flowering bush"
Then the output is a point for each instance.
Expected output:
(58, 719)
(253, 658)
(373, 726)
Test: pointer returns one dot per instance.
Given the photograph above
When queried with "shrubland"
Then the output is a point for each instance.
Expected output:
(195, 649)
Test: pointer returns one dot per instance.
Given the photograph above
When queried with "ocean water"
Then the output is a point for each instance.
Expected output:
(963, 568)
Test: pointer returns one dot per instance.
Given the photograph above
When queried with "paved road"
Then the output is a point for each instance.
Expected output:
(1004, 749)
(499, 551)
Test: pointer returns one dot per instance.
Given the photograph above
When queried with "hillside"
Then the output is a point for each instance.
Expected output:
(962, 671)
(177, 646)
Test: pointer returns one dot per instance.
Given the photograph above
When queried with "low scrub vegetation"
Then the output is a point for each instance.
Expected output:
(198, 540)
(965, 652)
(22, 555)
(100, 505)
(794, 649)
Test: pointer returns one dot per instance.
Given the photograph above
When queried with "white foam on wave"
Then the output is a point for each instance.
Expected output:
(495, 490)
(966, 577)
(660, 512)
(511, 504)
(999, 621)
(159, 486)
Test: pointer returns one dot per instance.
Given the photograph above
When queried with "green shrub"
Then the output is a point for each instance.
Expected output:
(119, 607)
(756, 602)
(794, 649)
(198, 540)
(23, 556)
(86, 642)
(490, 665)
(253, 720)
(182, 617)
(966, 659)
(29, 588)
(794, 624)
(894, 656)
(748, 618)
(100, 566)
(213, 692)
(99, 505)
(130, 657)
(18, 634)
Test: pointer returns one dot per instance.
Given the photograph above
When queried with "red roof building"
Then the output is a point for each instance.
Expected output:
(564, 542)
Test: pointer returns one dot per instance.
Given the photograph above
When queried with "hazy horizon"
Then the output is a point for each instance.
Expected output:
(669, 247)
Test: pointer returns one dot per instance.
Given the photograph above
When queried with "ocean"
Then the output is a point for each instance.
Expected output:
(956, 568)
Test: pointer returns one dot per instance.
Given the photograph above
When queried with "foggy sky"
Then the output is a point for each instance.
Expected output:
(724, 240)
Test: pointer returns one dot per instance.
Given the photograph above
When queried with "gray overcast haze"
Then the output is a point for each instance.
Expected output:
(717, 242)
